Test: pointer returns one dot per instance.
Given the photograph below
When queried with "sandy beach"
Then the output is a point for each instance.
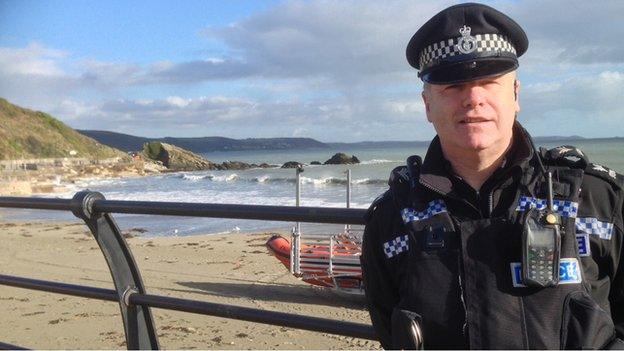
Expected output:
(231, 269)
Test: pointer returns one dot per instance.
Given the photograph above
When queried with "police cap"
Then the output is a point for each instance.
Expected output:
(466, 42)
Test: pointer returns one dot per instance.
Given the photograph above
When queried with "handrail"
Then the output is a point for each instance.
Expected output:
(5, 346)
(198, 307)
(258, 212)
(129, 291)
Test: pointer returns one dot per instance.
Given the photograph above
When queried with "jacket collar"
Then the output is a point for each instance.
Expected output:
(436, 171)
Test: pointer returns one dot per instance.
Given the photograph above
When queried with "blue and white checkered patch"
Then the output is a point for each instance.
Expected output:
(569, 272)
(564, 208)
(396, 246)
(583, 245)
(593, 226)
(433, 208)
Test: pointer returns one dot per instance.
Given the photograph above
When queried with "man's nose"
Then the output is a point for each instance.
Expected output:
(473, 96)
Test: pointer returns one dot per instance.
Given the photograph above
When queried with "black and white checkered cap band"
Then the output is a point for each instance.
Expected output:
(486, 43)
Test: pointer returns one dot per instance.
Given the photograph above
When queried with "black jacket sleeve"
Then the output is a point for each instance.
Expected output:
(616, 295)
(381, 292)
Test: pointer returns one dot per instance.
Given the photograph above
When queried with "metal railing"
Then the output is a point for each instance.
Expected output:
(130, 292)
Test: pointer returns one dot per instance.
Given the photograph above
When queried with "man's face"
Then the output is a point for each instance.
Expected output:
(475, 115)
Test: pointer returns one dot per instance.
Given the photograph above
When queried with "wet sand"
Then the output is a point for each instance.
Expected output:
(233, 269)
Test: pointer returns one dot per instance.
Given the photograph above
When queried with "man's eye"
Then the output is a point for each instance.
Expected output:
(490, 82)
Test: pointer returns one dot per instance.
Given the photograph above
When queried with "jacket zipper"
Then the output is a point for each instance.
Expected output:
(460, 261)
(450, 197)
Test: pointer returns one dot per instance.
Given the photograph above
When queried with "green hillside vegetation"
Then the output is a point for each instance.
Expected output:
(32, 134)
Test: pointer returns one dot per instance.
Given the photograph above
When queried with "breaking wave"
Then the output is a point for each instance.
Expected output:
(266, 179)
(376, 161)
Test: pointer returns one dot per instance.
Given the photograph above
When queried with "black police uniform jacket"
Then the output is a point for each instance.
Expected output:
(434, 246)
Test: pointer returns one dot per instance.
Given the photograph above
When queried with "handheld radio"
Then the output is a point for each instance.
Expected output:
(541, 245)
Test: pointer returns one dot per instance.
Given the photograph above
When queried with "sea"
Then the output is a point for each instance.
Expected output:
(321, 185)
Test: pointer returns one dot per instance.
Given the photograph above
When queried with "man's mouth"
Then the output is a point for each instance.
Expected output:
(470, 120)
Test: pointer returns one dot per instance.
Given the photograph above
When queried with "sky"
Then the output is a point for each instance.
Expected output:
(334, 71)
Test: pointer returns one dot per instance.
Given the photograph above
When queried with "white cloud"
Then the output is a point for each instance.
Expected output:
(409, 107)
(334, 70)
(241, 118)
(577, 31)
(177, 101)
(300, 132)
(589, 106)
(109, 74)
(33, 60)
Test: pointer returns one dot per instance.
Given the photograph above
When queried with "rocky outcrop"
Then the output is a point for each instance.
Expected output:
(235, 165)
(238, 165)
(176, 158)
(315, 163)
(292, 164)
(342, 159)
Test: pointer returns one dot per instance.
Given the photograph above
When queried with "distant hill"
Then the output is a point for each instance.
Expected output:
(119, 141)
(26, 133)
(388, 144)
(379, 144)
(205, 144)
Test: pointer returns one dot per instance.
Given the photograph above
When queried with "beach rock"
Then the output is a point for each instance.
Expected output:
(315, 163)
(292, 164)
(238, 165)
(152, 166)
(176, 158)
(342, 159)
(234, 165)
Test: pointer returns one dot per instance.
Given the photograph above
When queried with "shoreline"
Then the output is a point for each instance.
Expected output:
(234, 269)
(54, 180)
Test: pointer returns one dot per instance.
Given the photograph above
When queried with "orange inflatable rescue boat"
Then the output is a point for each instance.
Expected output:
(334, 266)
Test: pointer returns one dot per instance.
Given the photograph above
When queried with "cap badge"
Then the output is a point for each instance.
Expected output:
(467, 43)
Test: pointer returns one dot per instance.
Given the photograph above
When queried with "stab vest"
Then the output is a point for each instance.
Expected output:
(462, 275)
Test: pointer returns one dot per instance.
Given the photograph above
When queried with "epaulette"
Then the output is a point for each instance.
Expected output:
(403, 180)
(565, 155)
(400, 186)
(605, 173)
(570, 156)
(399, 175)
(398, 183)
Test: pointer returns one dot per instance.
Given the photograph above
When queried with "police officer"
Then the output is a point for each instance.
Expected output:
(488, 242)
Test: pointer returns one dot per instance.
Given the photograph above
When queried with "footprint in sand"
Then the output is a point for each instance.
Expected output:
(33, 313)
(57, 321)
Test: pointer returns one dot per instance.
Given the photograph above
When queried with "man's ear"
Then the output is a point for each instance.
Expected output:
(426, 102)
(516, 94)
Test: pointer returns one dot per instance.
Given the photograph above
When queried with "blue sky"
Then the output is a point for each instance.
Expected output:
(330, 70)
(128, 31)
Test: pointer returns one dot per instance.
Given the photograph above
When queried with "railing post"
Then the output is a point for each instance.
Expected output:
(348, 226)
(138, 321)
(348, 188)
(298, 171)
(296, 232)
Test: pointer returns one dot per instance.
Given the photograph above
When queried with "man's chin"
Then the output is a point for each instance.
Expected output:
(475, 144)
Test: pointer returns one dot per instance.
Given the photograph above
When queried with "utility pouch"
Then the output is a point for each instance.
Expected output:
(406, 330)
(585, 325)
